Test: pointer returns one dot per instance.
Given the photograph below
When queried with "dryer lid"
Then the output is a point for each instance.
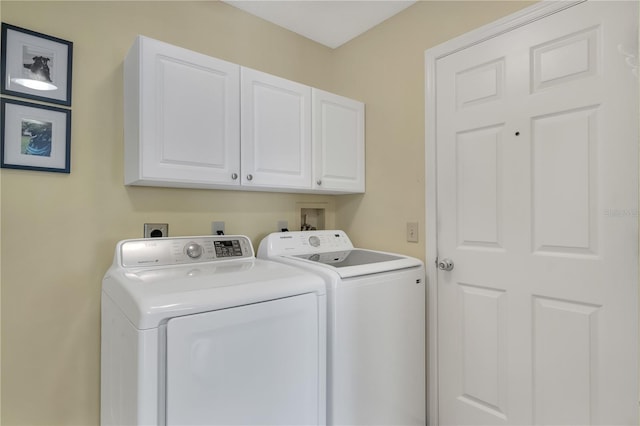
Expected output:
(165, 281)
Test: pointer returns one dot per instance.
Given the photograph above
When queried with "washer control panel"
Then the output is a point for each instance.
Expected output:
(183, 250)
(305, 242)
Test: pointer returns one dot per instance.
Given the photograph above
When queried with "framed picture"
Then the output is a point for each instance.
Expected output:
(35, 66)
(35, 137)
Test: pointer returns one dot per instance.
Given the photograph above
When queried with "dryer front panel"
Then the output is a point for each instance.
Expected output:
(254, 364)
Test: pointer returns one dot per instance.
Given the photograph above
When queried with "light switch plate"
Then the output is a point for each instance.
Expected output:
(412, 232)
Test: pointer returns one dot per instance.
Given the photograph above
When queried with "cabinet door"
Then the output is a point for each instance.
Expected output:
(338, 143)
(276, 132)
(181, 117)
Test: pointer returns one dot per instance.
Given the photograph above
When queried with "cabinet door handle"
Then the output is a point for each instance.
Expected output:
(249, 177)
(234, 176)
(319, 182)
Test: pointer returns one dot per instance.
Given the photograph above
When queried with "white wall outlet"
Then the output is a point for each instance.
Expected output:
(156, 230)
(282, 224)
(217, 228)
(412, 232)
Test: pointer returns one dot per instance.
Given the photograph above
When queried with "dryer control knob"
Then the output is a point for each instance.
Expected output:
(314, 241)
(193, 250)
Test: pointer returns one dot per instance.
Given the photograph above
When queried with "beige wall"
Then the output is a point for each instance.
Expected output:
(59, 231)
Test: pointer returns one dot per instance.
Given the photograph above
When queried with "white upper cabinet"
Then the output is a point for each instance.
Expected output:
(181, 117)
(194, 121)
(338, 143)
(276, 131)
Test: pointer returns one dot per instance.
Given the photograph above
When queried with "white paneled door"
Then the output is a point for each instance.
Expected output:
(537, 196)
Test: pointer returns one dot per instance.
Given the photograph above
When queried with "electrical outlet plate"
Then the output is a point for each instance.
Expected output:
(156, 230)
(282, 224)
(217, 227)
(412, 232)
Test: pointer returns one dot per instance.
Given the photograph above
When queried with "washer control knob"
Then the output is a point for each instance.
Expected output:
(193, 250)
(314, 241)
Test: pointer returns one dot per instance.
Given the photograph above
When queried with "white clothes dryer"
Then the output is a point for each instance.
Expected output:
(376, 326)
(197, 331)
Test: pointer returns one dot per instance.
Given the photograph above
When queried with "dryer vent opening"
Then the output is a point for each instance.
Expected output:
(156, 230)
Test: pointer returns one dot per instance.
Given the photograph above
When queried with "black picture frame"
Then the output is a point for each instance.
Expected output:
(35, 66)
(35, 137)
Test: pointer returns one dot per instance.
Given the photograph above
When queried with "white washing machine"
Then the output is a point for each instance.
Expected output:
(197, 331)
(376, 326)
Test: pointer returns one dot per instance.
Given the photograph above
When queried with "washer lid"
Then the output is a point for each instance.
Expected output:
(331, 250)
(343, 259)
(357, 262)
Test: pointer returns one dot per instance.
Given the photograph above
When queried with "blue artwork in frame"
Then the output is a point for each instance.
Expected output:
(35, 137)
(35, 66)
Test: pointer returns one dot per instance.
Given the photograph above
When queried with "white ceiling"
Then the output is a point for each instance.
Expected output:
(329, 22)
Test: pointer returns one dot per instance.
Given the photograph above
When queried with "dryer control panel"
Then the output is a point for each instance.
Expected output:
(183, 250)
